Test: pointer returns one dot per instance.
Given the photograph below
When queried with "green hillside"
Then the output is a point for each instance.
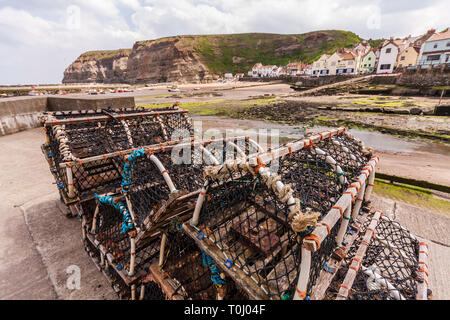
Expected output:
(239, 52)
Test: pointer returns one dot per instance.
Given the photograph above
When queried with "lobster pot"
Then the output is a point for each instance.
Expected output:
(165, 181)
(256, 214)
(78, 145)
(112, 248)
(171, 172)
(388, 266)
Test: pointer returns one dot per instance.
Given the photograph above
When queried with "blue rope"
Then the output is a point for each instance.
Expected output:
(126, 175)
(215, 276)
(127, 223)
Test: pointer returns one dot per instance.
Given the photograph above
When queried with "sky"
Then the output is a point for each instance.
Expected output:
(40, 38)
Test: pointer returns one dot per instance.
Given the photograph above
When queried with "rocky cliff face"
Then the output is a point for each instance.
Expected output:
(165, 60)
(202, 58)
(99, 67)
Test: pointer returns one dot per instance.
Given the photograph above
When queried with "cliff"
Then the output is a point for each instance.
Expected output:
(165, 60)
(202, 57)
(106, 66)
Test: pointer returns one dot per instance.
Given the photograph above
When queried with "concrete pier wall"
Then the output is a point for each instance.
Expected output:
(22, 113)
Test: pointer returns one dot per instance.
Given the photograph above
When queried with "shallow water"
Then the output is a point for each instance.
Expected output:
(378, 141)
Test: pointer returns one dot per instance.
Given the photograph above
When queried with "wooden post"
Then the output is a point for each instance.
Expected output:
(356, 264)
(359, 200)
(305, 266)
(83, 227)
(162, 249)
(69, 173)
(94, 220)
(422, 273)
(344, 225)
(370, 185)
(133, 292)
(132, 255)
(142, 294)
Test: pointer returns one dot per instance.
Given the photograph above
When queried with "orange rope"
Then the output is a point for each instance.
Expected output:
(260, 164)
(340, 209)
(346, 287)
(349, 192)
(300, 293)
(315, 238)
(326, 225)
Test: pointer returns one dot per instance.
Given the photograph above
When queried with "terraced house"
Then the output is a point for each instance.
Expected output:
(408, 56)
(436, 50)
(367, 64)
(319, 67)
(388, 56)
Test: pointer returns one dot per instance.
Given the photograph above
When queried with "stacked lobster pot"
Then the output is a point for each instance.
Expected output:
(385, 262)
(136, 237)
(281, 224)
(79, 144)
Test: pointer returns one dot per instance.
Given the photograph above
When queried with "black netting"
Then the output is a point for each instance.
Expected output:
(153, 291)
(190, 272)
(393, 255)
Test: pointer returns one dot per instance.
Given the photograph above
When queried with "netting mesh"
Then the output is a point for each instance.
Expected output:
(190, 271)
(392, 255)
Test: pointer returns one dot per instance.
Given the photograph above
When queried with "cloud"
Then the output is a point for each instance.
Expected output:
(40, 38)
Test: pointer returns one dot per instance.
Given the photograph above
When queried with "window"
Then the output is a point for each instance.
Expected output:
(388, 50)
(448, 44)
(434, 57)
(402, 58)
(370, 58)
(435, 46)
(385, 66)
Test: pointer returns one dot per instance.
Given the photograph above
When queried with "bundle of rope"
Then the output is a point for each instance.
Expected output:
(127, 223)
(129, 161)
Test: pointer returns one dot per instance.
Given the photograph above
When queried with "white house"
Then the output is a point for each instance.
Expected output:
(257, 70)
(319, 67)
(342, 62)
(388, 56)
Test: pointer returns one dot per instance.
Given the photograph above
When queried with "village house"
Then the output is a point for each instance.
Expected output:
(436, 50)
(388, 55)
(367, 64)
(319, 67)
(256, 70)
(342, 61)
(282, 71)
(362, 48)
(294, 68)
(408, 56)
